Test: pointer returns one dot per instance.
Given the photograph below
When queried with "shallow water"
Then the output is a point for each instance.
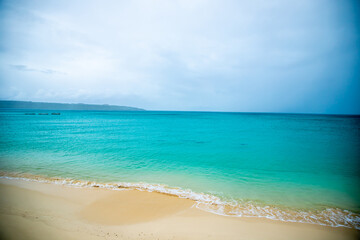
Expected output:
(281, 166)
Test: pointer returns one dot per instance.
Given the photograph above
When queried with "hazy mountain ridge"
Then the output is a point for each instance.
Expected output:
(64, 106)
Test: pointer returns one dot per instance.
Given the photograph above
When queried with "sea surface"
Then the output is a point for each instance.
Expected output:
(289, 167)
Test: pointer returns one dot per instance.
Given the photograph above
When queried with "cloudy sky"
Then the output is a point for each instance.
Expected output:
(257, 56)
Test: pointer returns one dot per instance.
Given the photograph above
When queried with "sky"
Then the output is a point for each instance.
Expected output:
(189, 55)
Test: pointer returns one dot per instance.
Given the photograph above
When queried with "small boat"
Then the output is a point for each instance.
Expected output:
(55, 113)
(29, 113)
(43, 113)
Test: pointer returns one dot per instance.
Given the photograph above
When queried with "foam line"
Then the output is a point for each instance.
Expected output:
(333, 217)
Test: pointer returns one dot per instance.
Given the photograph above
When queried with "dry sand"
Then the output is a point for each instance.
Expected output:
(33, 210)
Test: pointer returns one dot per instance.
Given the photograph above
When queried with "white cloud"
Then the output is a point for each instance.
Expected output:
(182, 55)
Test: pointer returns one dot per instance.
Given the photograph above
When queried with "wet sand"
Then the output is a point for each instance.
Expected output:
(33, 210)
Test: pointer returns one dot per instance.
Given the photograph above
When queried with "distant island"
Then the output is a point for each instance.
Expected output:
(64, 106)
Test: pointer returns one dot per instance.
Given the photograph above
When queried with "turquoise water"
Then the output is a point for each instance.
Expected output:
(287, 162)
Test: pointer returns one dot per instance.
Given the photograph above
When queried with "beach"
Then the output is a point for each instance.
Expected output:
(35, 210)
(283, 167)
(228, 120)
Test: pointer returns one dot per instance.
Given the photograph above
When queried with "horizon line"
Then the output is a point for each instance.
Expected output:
(155, 110)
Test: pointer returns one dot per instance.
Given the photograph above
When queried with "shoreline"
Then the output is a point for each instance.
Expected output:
(208, 203)
(39, 210)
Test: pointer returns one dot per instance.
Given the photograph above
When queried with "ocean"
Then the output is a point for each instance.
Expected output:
(288, 167)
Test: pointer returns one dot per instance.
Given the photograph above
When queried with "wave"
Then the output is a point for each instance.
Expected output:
(333, 217)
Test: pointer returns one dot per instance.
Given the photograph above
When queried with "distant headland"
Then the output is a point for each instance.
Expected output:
(63, 106)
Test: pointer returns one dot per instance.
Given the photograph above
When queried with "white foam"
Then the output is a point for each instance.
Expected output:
(333, 217)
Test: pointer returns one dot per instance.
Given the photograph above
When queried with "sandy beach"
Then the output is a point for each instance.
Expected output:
(33, 210)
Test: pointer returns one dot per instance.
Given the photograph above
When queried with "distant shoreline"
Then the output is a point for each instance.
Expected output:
(9, 104)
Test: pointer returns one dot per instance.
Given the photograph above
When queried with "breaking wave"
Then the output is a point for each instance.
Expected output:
(333, 217)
